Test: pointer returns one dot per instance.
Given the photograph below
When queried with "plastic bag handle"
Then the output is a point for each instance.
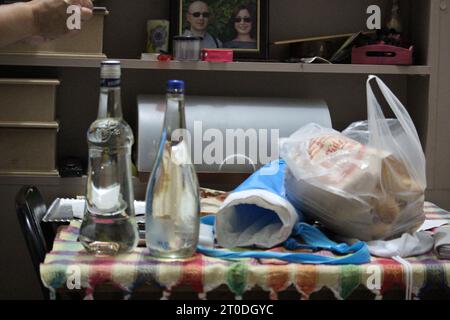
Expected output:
(377, 121)
(358, 253)
(397, 107)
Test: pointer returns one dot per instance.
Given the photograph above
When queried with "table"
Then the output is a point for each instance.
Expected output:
(413, 278)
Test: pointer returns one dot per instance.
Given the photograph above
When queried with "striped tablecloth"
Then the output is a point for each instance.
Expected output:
(68, 266)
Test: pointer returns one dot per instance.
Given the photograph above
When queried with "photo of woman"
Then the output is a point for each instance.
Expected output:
(240, 25)
(242, 22)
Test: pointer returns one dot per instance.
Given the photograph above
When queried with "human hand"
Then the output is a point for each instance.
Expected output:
(50, 16)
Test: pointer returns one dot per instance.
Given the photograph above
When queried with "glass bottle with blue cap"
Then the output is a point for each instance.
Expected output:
(172, 199)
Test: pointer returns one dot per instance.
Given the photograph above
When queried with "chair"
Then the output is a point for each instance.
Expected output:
(30, 209)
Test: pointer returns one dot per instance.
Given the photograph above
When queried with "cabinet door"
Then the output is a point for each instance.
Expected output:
(442, 173)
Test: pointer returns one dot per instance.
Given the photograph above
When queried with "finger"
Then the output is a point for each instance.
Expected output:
(72, 2)
(87, 4)
(86, 14)
(82, 3)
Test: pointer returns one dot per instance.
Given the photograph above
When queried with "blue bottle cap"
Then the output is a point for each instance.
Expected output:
(175, 85)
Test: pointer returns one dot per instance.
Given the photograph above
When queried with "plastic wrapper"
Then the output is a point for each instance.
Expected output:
(370, 190)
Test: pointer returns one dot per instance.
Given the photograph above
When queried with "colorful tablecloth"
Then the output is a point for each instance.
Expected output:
(68, 266)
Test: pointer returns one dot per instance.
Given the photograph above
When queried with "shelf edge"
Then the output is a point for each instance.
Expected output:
(277, 67)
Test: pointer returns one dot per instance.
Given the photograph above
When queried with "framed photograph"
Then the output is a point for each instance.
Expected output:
(240, 25)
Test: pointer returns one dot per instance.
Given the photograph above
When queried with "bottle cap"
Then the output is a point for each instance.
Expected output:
(110, 69)
(175, 85)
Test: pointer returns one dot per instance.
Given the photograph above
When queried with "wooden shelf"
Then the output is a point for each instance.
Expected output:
(51, 60)
(276, 67)
(136, 64)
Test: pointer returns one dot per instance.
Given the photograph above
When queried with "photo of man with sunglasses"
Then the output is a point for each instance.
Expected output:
(198, 15)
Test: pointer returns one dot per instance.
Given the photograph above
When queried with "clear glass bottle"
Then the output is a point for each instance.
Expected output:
(172, 200)
(109, 225)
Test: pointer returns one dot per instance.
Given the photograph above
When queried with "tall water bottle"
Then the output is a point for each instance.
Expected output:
(109, 226)
(172, 200)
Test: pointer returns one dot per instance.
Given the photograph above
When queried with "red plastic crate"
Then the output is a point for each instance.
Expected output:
(382, 54)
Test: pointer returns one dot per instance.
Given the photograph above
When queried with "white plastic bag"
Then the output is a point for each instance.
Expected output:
(369, 191)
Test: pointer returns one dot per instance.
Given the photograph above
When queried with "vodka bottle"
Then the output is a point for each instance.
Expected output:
(172, 200)
(109, 226)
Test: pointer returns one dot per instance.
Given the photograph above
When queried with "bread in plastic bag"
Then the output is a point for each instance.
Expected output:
(366, 191)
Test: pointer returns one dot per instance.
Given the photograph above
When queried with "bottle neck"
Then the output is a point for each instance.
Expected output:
(175, 114)
(110, 105)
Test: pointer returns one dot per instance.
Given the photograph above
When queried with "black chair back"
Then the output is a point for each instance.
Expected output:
(30, 209)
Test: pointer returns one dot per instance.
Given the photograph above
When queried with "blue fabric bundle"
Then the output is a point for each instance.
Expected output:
(257, 212)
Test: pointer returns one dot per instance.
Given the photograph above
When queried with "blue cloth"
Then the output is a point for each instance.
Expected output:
(313, 239)
(258, 212)
(266, 179)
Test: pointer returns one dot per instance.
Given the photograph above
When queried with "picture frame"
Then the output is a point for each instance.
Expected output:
(240, 25)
